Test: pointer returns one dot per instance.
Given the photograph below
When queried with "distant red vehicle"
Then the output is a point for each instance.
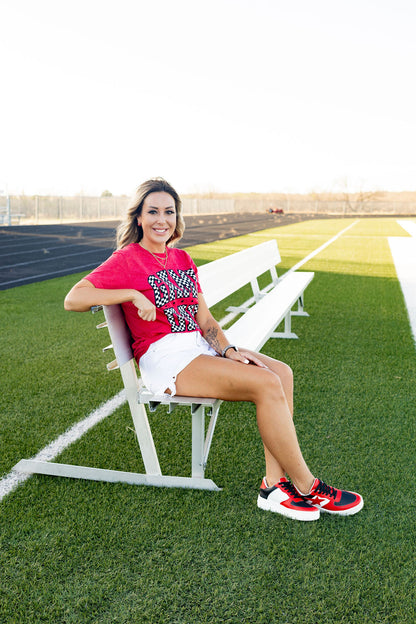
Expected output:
(276, 210)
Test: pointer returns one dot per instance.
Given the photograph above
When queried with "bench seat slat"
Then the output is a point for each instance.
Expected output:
(254, 328)
(146, 396)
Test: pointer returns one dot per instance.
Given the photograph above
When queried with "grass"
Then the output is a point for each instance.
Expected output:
(82, 552)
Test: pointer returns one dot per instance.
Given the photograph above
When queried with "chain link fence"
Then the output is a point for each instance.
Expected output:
(46, 209)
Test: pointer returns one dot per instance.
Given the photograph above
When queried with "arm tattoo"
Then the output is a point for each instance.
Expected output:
(211, 336)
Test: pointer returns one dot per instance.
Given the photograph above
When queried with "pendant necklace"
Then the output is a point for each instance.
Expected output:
(165, 259)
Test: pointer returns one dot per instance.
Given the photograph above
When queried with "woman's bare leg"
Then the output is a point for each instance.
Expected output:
(274, 471)
(224, 379)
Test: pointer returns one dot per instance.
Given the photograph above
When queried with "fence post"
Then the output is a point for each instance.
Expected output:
(8, 211)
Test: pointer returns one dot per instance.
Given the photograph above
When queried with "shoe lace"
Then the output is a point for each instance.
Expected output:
(290, 488)
(328, 490)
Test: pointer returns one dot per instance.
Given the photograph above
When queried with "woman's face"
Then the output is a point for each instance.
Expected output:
(158, 220)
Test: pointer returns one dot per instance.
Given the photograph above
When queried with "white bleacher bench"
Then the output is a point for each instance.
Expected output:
(258, 319)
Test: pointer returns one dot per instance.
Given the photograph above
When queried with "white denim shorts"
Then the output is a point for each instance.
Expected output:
(167, 357)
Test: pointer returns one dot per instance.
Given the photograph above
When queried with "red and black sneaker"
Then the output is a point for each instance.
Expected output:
(283, 498)
(331, 500)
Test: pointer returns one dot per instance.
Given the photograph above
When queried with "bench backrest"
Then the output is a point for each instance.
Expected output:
(218, 279)
(225, 276)
(119, 334)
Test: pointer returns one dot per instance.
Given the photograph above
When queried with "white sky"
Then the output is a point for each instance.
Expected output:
(224, 95)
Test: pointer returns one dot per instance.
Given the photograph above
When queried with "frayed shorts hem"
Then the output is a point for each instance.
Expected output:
(167, 357)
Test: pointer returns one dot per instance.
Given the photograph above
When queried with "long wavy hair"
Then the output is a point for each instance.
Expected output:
(129, 231)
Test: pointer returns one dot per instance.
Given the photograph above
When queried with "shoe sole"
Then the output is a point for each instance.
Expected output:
(345, 512)
(309, 516)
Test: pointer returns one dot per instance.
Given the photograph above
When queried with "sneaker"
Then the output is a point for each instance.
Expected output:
(283, 498)
(331, 500)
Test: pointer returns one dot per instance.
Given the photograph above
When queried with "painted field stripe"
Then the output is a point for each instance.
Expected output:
(321, 248)
(50, 452)
(409, 226)
(232, 315)
(403, 250)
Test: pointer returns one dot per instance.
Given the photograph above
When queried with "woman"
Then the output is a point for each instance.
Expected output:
(180, 348)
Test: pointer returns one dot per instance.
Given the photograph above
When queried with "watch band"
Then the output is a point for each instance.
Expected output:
(230, 346)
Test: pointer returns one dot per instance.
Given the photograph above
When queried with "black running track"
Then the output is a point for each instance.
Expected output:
(33, 253)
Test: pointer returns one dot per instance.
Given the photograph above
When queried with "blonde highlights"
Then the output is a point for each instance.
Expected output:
(129, 231)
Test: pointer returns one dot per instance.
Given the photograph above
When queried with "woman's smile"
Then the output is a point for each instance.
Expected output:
(158, 221)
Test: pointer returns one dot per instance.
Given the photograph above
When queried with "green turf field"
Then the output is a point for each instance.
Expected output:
(75, 552)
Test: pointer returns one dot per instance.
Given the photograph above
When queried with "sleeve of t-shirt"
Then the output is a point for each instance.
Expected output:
(111, 274)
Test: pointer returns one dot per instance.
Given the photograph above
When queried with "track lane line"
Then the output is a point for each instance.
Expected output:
(68, 271)
(54, 258)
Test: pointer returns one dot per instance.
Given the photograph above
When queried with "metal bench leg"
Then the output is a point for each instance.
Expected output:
(300, 311)
(287, 333)
(198, 437)
(211, 427)
(145, 439)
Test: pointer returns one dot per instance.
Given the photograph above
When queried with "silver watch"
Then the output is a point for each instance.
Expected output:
(230, 346)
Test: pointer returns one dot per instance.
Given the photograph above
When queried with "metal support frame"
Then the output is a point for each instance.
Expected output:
(300, 311)
(112, 476)
(201, 441)
(287, 333)
(257, 295)
(201, 444)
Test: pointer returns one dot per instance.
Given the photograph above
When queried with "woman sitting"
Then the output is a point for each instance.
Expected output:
(180, 348)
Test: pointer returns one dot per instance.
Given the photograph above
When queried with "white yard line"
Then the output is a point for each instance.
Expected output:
(13, 479)
(403, 250)
(50, 452)
(409, 226)
(232, 315)
(321, 248)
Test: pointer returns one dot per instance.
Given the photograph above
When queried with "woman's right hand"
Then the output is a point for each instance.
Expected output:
(146, 310)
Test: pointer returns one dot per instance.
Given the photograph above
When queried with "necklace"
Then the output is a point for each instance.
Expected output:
(165, 259)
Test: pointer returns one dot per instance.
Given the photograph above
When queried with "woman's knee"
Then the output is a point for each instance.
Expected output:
(287, 379)
(278, 367)
(284, 371)
(269, 386)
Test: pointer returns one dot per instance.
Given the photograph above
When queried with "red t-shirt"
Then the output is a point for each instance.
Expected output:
(173, 290)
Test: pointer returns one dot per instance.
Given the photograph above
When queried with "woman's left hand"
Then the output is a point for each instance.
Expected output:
(245, 357)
